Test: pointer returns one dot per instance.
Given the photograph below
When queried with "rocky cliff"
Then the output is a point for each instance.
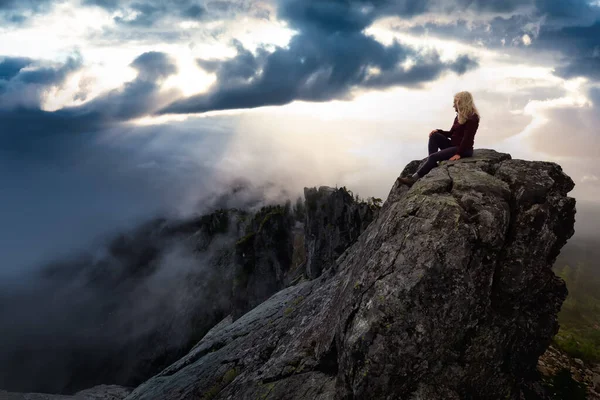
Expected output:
(447, 294)
(334, 220)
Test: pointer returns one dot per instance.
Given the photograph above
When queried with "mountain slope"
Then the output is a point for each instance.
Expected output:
(448, 294)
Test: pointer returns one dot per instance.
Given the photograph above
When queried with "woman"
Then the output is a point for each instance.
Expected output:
(455, 143)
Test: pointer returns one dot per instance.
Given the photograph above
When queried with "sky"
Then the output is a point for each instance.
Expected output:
(114, 111)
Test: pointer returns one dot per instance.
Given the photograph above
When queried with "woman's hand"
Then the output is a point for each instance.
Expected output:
(432, 132)
(455, 157)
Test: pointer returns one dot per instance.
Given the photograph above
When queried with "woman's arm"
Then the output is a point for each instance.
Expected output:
(448, 134)
(445, 133)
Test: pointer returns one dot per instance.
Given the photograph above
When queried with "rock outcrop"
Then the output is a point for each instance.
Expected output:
(570, 373)
(448, 294)
(263, 257)
(334, 220)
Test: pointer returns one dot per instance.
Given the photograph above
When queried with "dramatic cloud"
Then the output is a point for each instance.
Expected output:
(569, 28)
(23, 81)
(10, 67)
(329, 57)
(66, 179)
(24, 122)
(579, 47)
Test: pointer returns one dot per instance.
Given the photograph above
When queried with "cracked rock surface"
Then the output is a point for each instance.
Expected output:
(448, 294)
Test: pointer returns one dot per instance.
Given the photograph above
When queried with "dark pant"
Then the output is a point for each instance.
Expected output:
(446, 151)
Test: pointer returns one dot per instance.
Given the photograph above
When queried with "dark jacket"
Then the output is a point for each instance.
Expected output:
(463, 136)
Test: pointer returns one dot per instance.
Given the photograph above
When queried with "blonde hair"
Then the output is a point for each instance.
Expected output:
(465, 106)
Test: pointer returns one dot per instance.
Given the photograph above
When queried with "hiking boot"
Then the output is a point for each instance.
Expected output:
(409, 180)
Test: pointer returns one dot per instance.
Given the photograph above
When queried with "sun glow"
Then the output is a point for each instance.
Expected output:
(190, 79)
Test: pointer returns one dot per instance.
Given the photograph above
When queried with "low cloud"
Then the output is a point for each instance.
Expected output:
(571, 130)
(114, 315)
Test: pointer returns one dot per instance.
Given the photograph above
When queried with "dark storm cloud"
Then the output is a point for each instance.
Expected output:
(148, 13)
(360, 13)
(18, 11)
(429, 68)
(193, 12)
(313, 68)
(329, 16)
(355, 15)
(49, 75)
(24, 124)
(153, 66)
(571, 28)
(330, 56)
(580, 47)
(107, 4)
(565, 10)
(23, 81)
(10, 67)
